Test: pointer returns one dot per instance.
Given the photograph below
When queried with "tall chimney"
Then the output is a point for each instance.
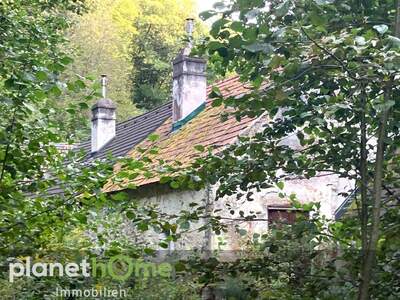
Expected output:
(103, 120)
(189, 88)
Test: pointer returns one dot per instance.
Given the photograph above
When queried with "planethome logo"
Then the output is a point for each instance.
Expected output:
(119, 267)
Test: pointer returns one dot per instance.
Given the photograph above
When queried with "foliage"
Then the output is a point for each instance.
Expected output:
(99, 45)
(158, 40)
(48, 197)
(45, 190)
(32, 61)
(326, 70)
(133, 42)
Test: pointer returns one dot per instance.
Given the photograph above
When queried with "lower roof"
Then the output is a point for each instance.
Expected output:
(130, 133)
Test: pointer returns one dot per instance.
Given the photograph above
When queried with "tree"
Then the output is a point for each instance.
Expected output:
(33, 59)
(49, 199)
(99, 44)
(158, 40)
(330, 68)
(133, 42)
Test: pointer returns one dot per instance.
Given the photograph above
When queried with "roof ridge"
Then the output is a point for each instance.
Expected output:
(224, 80)
(146, 113)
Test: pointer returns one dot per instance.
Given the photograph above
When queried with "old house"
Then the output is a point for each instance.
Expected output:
(189, 120)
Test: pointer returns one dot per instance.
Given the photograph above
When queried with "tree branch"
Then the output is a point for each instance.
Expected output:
(342, 64)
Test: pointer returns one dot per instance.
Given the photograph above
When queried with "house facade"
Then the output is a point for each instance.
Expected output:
(190, 120)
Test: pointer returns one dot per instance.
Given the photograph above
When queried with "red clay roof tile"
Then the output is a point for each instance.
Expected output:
(205, 129)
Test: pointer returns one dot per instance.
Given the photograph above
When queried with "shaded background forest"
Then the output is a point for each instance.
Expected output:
(134, 43)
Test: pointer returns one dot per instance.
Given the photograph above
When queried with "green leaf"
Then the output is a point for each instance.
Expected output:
(82, 218)
(55, 90)
(258, 81)
(83, 105)
(165, 179)
(215, 92)
(282, 9)
(121, 196)
(199, 148)
(280, 185)
(214, 45)
(130, 215)
(66, 60)
(70, 86)
(149, 251)
(292, 68)
(276, 61)
(237, 26)
(9, 83)
(80, 84)
(317, 19)
(185, 225)
(217, 102)
(207, 14)
(259, 47)
(311, 173)
(174, 184)
(39, 94)
(395, 41)
(242, 232)
(57, 67)
(143, 226)
(250, 34)
(41, 75)
(217, 26)
(153, 137)
(163, 245)
(381, 28)
(179, 267)
(280, 95)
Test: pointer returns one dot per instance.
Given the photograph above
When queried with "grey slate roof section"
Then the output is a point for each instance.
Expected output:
(342, 209)
(130, 132)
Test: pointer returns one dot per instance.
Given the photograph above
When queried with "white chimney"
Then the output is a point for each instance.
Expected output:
(189, 88)
(103, 120)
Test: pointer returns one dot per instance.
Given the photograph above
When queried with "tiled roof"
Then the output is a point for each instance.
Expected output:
(131, 132)
(205, 129)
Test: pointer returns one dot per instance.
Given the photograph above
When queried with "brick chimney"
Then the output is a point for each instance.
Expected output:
(189, 88)
(103, 120)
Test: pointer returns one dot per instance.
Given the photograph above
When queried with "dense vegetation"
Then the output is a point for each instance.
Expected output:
(333, 66)
(133, 42)
(332, 69)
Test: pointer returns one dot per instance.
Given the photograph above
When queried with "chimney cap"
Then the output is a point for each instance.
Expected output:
(104, 103)
(189, 26)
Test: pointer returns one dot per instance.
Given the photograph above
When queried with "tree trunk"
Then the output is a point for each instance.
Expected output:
(363, 174)
(370, 253)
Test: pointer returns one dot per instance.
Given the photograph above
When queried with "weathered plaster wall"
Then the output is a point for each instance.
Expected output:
(323, 188)
(171, 202)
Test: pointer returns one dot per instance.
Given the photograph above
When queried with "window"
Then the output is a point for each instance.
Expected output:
(284, 215)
